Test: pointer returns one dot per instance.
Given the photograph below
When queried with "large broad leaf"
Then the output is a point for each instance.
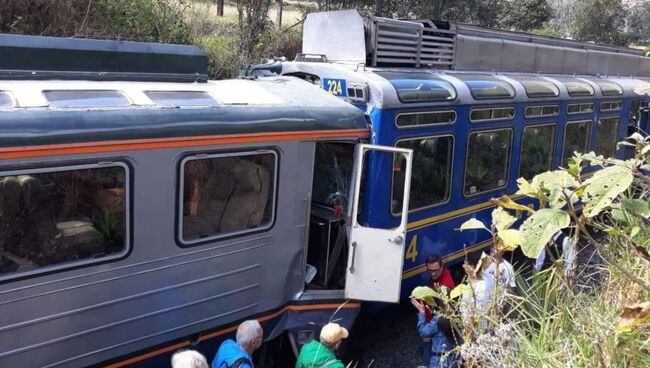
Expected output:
(509, 240)
(507, 202)
(425, 294)
(539, 228)
(634, 316)
(605, 186)
(473, 224)
(554, 184)
(528, 189)
(501, 219)
(637, 206)
(460, 290)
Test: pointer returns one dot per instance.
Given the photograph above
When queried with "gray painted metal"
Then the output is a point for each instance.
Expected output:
(463, 47)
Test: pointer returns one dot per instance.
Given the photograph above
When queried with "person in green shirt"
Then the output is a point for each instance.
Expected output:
(320, 354)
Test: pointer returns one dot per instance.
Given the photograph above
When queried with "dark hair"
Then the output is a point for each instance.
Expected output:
(474, 258)
(433, 258)
(448, 328)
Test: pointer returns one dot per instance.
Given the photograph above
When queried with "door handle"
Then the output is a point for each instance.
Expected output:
(398, 239)
(354, 254)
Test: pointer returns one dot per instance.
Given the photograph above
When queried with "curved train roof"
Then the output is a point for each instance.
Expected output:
(60, 112)
(467, 87)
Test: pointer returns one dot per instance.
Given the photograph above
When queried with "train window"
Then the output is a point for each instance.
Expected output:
(419, 87)
(425, 118)
(86, 98)
(541, 111)
(606, 136)
(576, 87)
(580, 108)
(538, 87)
(6, 100)
(488, 159)
(576, 139)
(611, 106)
(226, 194)
(432, 160)
(537, 145)
(485, 87)
(491, 114)
(608, 88)
(181, 98)
(56, 218)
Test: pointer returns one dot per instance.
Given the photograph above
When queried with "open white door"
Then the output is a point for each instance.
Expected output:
(376, 256)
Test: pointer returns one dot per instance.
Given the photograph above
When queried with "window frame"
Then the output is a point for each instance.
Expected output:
(53, 105)
(451, 172)
(521, 148)
(428, 77)
(181, 187)
(562, 159)
(485, 77)
(618, 102)
(205, 93)
(509, 162)
(618, 126)
(14, 103)
(514, 114)
(590, 88)
(44, 168)
(524, 82)
(425, 112)
(593, 108)
(526, 116)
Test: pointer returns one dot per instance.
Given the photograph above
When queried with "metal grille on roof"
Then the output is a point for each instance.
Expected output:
(409, 43)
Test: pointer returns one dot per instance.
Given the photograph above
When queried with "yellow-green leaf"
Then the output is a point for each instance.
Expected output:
(637, 206)
(526, 188)
(507, 202)
(634, 316)
(425, 294)
(510, 239)
(502, 219)
(473, 224)
(460, 290)
(604, 187)
(539, 228)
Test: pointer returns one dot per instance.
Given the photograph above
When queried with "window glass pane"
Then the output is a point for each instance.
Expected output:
(488, 155)
(5, 100)
(537, 111)
(607, 137)
(420, 87)
(432, 164)
(551, 110)
(576, 139)
(53, 218)
(86, 98)
(537, 87)
(499, 113)
(485, 86)
(537, 147)
(580, 108)
(426, 118)
(577, 87)
(332, 174)
(181, 98)
(227, 194)
(608, 88)
(611, 106)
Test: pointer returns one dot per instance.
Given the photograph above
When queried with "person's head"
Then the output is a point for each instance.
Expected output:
(332, 334)
(188, 359)
(495, 253)
(250, 335)
(472, 265)
(434, 266)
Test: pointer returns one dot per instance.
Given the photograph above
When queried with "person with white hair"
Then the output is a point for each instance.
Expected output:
(189, 359)
(239, 354)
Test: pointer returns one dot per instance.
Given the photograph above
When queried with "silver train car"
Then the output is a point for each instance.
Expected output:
(145, 209)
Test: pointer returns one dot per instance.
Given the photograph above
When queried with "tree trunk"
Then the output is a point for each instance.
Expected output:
(278, 16)
(220, 8)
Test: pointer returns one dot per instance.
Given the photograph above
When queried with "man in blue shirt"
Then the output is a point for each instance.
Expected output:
(239, 354)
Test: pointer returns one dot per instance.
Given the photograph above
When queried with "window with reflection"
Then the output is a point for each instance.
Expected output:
(541, 111)
(181, 98)
(577, 87)
(611, 106)
(419, 87)
(86, 98)
(59, 217)
(608, 88)
(576, 139)
(488, 159)
(491, 114)
(607, 137)
(425, 118)
(431, 179)
(5, 100)
(227, 194)
(580, 108)
(483, 86)
(537, 145)
(538, 87)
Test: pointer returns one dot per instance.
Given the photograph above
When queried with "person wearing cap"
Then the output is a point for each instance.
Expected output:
(320, 354)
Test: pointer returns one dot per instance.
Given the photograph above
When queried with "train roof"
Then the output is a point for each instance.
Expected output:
(36, 112)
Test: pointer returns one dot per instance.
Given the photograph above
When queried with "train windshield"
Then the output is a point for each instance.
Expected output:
(420, 87)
